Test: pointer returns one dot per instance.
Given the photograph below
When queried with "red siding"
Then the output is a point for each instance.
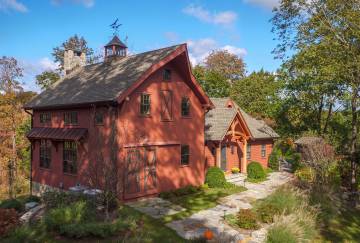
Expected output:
(132, 128)
(256, 151)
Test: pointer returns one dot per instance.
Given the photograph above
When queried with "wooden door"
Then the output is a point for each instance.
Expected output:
(223, 158)
(140, 172)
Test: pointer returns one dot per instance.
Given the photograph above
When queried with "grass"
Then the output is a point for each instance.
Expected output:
(201, 200)
(145, 230)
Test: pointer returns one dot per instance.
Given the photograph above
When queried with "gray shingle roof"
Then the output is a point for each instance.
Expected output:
(217, 122)
(100, 82)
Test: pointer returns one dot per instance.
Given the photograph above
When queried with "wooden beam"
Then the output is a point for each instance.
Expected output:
(244, 159)
(218, 155)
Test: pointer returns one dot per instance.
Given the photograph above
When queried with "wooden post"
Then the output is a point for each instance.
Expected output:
(218, 155)
(244, 160)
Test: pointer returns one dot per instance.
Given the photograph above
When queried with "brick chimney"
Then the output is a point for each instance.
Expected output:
(73, 59)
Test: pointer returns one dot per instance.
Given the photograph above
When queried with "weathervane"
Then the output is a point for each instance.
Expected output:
(115, 26)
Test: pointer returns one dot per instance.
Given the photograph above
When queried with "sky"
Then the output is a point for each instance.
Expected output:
(29, 30)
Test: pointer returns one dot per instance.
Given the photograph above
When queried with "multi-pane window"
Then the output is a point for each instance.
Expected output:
(99, 118)
(167, 74)
(185, 106)
(145, 104)
(248, 151)
(70, 157)
(70, 118)
(263, 150)
(213, 151)
(45, 153)
(185, 154)
(45, 117)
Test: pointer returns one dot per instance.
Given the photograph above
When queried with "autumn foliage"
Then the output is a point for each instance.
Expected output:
(8, 220)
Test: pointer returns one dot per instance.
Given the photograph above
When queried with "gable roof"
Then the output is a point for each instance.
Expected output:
(102, 82)
(217, 121)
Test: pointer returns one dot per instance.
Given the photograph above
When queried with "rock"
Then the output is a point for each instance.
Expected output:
(26, 217)
(30, 205)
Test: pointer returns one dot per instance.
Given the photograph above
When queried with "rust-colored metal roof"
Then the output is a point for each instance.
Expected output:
(57, 133)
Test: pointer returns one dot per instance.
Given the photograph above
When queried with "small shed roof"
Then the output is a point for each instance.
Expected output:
(57, 133)
(309, 140)
(115, 41)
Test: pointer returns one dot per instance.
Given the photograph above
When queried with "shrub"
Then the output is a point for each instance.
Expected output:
(180, 192)
(283, 201)
(274, 159)
(305, 174)
(235, 170)
(74, 213)
(283, 233)
(32, 198)
(255, 171)
(8, 220)
(56, 199)
(12, 203)
(215, 178)
(89, 229)
(247, 219)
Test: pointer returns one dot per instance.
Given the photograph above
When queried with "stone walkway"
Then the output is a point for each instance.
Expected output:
(156, 207)
(195, 225)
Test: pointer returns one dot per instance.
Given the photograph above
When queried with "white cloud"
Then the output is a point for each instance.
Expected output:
(33, 68)
(200, 49)
(225, 18)
(268, 4)
(6, 5)
(86, 3)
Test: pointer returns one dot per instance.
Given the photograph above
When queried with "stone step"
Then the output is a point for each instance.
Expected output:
(232, 176)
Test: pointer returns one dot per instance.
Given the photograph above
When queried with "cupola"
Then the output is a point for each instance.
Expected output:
(115, 48)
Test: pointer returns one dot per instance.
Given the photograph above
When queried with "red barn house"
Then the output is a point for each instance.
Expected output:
(144, 112)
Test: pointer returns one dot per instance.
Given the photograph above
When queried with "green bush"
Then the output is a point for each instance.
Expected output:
(255, 171)
(215, 178)
(281, 234)
(187, 190)
(12, 203)
(75, 213)
(32, 198)
(247, 219)
(56, 199)
(274, 159)
(283, 201)
(82, 230)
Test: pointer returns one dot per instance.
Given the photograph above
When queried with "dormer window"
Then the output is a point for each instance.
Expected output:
(167, 74)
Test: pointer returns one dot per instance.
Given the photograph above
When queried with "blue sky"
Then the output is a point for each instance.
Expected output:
(30, 29)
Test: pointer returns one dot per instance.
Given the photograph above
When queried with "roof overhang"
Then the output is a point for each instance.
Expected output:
(242, 123)
(61, 134)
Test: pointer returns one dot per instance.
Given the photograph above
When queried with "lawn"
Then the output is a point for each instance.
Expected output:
(147, 230)
(204, 199)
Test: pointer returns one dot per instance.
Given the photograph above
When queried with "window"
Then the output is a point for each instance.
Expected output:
(185, 154)
(99, 118)
(45, 117)
(70, 118)
(263, 150)
(185, 106)
(70, 157)
(248, 151)
(45, 153)
(232, 148)
(167, 74)
(145, 104)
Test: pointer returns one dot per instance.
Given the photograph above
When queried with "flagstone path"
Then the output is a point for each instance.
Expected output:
(213, 218)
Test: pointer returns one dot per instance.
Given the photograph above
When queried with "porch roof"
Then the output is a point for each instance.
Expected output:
(217, 121)
(57, 133)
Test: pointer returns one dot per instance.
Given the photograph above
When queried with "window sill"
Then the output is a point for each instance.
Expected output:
(186, 117)
(184, 166)
(171, 120)
(69, 174)
(145, 116)
(45, 169)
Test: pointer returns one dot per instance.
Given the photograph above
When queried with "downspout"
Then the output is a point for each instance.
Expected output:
(31, 150)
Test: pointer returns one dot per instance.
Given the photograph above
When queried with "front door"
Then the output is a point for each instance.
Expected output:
(223, 158)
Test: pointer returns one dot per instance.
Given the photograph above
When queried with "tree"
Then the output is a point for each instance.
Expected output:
(215, 84)
(329, 33)
(11, 115)
(46, 79)
(257, 93)
(75, 43)
(229, 65)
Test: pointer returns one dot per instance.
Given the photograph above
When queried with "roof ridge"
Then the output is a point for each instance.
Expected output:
(162, 48)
